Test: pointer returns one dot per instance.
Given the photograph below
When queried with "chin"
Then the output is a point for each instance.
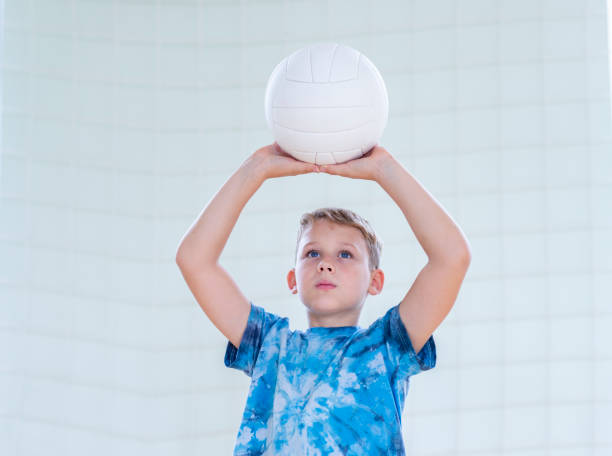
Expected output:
(327, 305)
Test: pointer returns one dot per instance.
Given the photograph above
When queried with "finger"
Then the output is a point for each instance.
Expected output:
(334, 169)
(304, 168)
(280, 149)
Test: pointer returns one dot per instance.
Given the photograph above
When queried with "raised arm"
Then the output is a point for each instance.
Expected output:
(434, 291)
(198, 253)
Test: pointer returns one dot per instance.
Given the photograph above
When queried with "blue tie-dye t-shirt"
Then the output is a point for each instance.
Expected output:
(325, 391)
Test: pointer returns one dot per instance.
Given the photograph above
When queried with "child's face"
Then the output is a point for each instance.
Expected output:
(338, 254)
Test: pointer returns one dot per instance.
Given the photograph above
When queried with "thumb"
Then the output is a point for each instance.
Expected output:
(305, 167)
(336, 168)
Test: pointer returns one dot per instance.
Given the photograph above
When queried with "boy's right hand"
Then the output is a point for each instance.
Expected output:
(275, 162)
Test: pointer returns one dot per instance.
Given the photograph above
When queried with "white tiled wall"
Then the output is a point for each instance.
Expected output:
(121, 120)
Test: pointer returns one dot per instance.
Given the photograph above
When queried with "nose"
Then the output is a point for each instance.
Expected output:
(324, 266)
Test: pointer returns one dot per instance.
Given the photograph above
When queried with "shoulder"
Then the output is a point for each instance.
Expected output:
(389, 332)
(380, 328)
(267, 320)
(371, 338)
(263, 327)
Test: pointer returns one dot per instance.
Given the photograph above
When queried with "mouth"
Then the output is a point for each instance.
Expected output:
(325, 286)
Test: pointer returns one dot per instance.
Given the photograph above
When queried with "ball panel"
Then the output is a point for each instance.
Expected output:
(307, 157)
(342, 94)
(371, 72)
(341, 157)
(322, 158)
(278, 75)
(321, 61)
(292, 140)
(345, 66)
(322, 120)
(298, 67)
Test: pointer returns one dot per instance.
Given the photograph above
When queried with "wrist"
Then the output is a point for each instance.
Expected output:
(254, 168)
(385, 167)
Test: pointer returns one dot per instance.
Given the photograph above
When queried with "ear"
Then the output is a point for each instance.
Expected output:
(291, 281)
(377, 280)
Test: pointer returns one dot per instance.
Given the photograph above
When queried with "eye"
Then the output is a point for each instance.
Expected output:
(343, 251)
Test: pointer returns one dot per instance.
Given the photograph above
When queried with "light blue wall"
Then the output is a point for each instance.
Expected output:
(122, 119)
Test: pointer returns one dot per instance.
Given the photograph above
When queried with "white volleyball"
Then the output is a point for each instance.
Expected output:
(326, 103)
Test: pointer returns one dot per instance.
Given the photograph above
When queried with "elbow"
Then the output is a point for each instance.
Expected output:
(464, 255)
(183, 255)
(180, 258)
(461, 256)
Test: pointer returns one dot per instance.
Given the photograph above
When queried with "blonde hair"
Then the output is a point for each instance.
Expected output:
(344, 217)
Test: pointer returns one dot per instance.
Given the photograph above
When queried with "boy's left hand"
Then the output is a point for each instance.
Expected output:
(368, 166)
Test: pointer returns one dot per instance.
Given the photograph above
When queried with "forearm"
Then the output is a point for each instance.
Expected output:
(207, 236)
(440, 237)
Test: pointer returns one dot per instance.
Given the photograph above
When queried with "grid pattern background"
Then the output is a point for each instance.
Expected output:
(120, 121)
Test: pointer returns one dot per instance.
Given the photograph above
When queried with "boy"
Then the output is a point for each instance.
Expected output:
(335, 388)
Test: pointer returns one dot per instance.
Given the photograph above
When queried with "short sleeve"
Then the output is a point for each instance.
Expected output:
(258, 326)
(400, 349)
